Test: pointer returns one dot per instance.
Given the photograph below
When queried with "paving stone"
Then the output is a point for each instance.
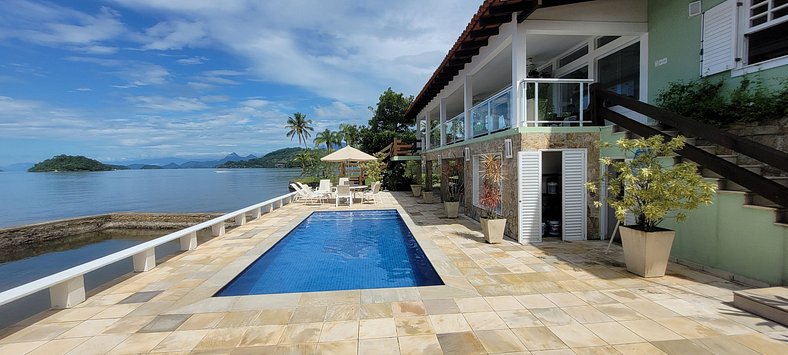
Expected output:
(140, 297)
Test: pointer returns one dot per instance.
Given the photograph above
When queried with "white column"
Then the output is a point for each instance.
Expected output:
(428, 129)
(189, 241)
(519, 71)
(145, 260)
(442, 108)
(468, 104)
(68, 293)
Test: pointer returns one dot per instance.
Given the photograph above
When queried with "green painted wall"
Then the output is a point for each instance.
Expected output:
(726, 235)
(672, 34)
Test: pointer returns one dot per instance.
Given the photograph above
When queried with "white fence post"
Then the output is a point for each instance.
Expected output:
(145, 260)
(189, 241)
(68, 293)
(240, 219)
(256, 213)
(268, 208)
(217, 229)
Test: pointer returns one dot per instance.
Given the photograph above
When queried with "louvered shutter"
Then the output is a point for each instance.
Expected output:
(530, 185)
(719, 38)
(574, 194)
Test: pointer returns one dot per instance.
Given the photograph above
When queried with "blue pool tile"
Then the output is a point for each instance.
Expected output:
(332, 251)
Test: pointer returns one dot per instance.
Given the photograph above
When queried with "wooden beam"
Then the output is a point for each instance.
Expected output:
(494, 20)
(526, 12)
(473, 44)
(485, 32)
(509, 7)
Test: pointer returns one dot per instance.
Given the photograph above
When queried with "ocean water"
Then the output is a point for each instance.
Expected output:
(332, 251)
(36, 197)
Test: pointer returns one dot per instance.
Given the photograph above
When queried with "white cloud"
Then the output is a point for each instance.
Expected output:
(134, 73)
(159, 103)
(192, 60)
(171, 35)
(83, 89)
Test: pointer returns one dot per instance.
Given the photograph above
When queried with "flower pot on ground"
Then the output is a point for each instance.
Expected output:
(416, 190)
(647, 186)
(450, 175)
(427, 196)
(493, 223)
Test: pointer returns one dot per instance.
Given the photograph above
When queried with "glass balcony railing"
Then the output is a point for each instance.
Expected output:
(455, 129)
(435, 137)
(555, 102)
(492, 114)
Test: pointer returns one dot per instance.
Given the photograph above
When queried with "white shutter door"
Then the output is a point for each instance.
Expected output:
(530, 181)
(574, 194)
(719, 38)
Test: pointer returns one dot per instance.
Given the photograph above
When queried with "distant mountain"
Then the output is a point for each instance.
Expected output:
(232, 157)
(72, 163)
(171, 166)
(18, 167)
(282, 158)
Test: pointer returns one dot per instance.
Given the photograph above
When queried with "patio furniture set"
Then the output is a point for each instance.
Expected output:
(344, 192)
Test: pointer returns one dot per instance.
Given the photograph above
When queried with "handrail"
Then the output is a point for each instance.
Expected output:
(555, 80)
(767, 188)
(760, 152)
(80, 270)
(492, 97)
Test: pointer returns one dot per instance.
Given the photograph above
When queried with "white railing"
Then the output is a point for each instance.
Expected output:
(493, 114)
(455, 129)
(67, 288)
(554, 102)
(435, 137)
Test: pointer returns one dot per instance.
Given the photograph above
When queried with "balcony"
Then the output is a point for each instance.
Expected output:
(555, 102)
(493, 114)
(455, 129)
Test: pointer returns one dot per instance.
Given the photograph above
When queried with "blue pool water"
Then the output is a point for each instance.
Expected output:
(332, 251)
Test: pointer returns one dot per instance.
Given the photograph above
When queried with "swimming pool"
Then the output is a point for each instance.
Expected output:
(331, 251)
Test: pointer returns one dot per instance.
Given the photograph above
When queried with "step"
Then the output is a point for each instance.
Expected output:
(782, 180)
(770, 303)
(754, 168)
(730, 185)
(712, 149)
(729, 157)
(758, 200)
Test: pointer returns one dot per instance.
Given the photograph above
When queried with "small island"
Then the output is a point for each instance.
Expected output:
(282, 158)
(72, 163)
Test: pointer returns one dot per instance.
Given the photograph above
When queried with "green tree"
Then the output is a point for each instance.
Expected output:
(299, 126)
(326, 137)
(350, 133)
(389, 113)
(304, 158)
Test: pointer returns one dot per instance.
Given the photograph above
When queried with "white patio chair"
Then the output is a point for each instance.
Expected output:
(344, 181)
(325, 187)
(305, 187)
(307, 195)
(343, 192)
(372, 194)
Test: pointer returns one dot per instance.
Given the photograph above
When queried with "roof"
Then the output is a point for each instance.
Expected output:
(483, 25)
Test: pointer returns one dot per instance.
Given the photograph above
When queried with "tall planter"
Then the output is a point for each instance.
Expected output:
(452, 208)
(427, 196)
(646, 253)
(493, 229)
(416, 190)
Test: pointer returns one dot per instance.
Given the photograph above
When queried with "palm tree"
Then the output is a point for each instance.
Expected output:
(349, 133)
(303, 157)
(326, 137)
(299, 126)
(336, 138)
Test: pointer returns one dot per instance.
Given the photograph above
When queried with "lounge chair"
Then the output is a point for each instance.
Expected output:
(343, 192)
(372, 194)
(307, 195)
(325, 187)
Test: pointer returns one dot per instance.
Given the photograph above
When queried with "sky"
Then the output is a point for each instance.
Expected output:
(121, 80)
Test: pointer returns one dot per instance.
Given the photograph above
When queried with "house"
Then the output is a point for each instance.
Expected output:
(522, 81)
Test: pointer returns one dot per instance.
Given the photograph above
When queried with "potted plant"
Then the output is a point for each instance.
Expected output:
(650, 188)
(413, 171)
(450, 175)
(493, 224)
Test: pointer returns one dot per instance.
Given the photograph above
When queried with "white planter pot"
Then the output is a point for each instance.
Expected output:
(427, 195)
(452, 208)
(493, 229)
(646, 253)
(416, 189)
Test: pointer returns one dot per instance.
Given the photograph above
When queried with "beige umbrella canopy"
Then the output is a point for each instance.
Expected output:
(348, 153)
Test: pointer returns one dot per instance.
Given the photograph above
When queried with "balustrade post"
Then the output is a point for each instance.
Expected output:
(256, 213)
(267, 208)
(240, 219)
(217, 229)
(68, 293)
(189, 241)
(145, 260)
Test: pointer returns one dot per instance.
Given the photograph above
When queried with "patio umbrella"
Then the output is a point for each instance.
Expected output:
(347, 154)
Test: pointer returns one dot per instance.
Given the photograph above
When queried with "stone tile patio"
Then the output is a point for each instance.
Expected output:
(547, 298)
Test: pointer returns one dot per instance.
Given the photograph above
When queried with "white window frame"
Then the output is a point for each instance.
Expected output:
(744, 28)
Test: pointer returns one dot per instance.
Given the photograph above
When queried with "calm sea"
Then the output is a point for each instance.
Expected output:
(36, 197)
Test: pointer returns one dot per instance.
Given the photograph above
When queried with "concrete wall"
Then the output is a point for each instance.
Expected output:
(672, 34)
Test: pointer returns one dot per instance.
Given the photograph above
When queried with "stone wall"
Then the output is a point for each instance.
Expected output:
(42, 232)
(772, 133)
(523, 141)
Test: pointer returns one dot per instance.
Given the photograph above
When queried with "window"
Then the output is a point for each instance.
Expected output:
(601, 41)
(620, 72)
(571, 57)
(767, 24)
